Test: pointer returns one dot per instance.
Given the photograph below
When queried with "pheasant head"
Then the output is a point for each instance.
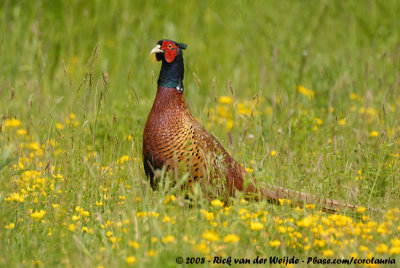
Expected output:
(172, 69)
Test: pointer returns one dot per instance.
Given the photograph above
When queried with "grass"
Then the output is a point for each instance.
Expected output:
(304, 94)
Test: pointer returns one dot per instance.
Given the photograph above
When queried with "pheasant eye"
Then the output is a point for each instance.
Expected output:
(169, 46)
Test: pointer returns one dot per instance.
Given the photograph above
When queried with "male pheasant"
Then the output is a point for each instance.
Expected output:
(174, 140)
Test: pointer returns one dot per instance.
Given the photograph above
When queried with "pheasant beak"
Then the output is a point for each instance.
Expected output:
(155, 53)
(157, 49)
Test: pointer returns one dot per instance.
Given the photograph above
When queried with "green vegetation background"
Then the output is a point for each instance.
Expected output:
(91, 58)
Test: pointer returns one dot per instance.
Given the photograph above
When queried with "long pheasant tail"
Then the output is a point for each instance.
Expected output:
(276, 194)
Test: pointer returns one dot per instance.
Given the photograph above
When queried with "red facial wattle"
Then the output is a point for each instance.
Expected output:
(170, 51)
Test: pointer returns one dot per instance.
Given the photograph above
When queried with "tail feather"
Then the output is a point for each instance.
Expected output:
(274, 194)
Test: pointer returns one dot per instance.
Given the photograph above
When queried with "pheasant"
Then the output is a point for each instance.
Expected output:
(174, 140)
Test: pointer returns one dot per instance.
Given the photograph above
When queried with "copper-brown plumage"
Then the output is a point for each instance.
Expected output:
(174, 140)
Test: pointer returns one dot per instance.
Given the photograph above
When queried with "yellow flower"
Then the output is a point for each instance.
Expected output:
(217, 203)
(394, 251)
(130, 260)
(123, 159)
(354, 255)
(151, 253)
(275, 243)
(342, 122)
(272, 153)
(210, 236)
(202, 247)
(374, 134)
(113, 239)
(75, 217)
(208, 215)
(243, 109)
(168, 239)
(361, 210)
(99, 204)
(37, 215)
(224, 111)
(306, 92)
(85, 229)
(354, 96)
(231, 238)
(59, 126)
(229, 124)
(395, 242)
(283, 201)
(71, 227)
(133, 244)
(109, 233)
(15, 197)
(169, 198)
(70, 121)
(166, 219)
(382, 229)
(225, 100)
(12, 122)
(255, 226)
(318, 121)
(21, 132)
(36, 263)
(250, 170)
(319, 243)
(305, 222)
(310, 206)
(10, 226)
(281, 229)
(382, 248)
(328, 253)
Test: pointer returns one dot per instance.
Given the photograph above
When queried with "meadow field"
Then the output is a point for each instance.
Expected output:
(305, 94)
